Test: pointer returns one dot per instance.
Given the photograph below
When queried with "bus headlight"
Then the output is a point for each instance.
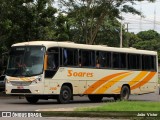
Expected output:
(38, 79)
(7, 81)
(35, 81)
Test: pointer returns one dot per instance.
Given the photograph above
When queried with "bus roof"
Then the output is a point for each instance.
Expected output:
(49, 44)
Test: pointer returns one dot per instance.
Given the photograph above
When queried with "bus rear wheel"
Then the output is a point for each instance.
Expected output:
(32, 99)
(95, 98)
(125, 92)
(65, 95)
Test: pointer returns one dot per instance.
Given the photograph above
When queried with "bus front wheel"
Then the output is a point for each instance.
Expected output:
(32, 99)
(65, 95)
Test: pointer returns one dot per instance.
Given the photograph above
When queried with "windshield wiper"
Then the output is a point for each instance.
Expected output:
(26, 71)
(22, 69)
(13, 72)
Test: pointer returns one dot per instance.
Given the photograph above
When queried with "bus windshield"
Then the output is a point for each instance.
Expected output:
(26, 61)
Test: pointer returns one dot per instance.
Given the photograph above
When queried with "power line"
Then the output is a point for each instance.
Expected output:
(143, 20)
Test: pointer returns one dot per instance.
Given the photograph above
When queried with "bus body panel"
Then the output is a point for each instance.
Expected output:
(98, 82)
(104, 81)
(86, 80)
(24, 85)
(93, 81)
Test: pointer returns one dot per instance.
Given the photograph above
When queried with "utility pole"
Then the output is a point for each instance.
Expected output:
(121, 36)
(121, 31)
(127, 26)
(127, 37)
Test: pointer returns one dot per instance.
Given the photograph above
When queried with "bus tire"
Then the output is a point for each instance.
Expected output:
(65, 95)
(95, 98)
(32, 99)
(125, 92)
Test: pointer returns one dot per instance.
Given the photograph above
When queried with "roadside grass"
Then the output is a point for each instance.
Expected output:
(158, 80)
(119, 109)
(125, 106)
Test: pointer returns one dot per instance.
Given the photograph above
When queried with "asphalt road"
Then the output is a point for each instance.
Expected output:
(16, 104)
(21, 105)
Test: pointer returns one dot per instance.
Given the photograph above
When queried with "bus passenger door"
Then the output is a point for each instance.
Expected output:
(52, 65)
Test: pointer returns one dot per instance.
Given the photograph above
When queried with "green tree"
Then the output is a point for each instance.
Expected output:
(109, 33)
(25, 20)
(131, 39)
(148, 35)
(148, 40)
(62, 29)
(88, 16)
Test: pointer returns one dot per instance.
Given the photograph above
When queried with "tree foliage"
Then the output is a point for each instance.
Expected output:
(148, 40)
(25, 20)
(89, 16)
(81, 21)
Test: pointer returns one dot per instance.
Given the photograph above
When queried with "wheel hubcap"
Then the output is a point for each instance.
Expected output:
(65, 94)
(125, 93)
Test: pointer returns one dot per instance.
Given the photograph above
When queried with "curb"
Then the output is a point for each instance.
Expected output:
(57, 110)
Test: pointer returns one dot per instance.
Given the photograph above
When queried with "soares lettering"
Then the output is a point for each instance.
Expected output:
(79, 74)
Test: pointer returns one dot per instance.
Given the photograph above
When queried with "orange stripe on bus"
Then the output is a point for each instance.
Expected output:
(144, 81)
(25, 79)
(45, 62)
(95, 85)
(138, 77)
(133, 81)
(111, 83)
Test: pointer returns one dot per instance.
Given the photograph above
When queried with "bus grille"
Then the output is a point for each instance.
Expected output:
(20, 91)
(21, 83)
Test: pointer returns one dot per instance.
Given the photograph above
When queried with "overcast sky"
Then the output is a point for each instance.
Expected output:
(151, 20)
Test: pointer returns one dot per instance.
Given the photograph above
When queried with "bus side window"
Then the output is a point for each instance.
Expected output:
(65, 57)
(70, 57)
(97, 60)
(51, 61)
(116, 60)
(103, 59)
(148, 63)
(123, 60)
(79, 58)
(134, 61)
(87, 58)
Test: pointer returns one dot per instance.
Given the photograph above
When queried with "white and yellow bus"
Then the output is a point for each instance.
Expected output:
(61, 70)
